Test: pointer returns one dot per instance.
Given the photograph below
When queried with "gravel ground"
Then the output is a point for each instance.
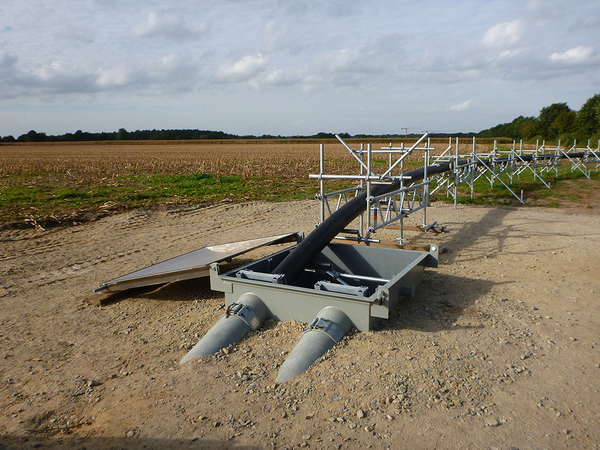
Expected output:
(499, 348)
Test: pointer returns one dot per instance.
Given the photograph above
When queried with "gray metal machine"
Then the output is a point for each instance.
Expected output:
(335, 287)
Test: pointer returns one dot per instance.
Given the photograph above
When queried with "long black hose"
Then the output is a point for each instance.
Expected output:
(316, 241)
(294, 264)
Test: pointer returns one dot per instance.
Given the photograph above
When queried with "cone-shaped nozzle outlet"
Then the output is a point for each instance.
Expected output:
(326, 330)
(247, 314)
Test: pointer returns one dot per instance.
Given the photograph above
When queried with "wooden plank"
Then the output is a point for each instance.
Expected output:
(407, 227)
(419, 228)
(105, 298)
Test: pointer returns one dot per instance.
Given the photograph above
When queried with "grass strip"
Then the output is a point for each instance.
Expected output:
(43, 195)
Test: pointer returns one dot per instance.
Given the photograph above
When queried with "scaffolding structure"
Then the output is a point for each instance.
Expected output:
(441, 174)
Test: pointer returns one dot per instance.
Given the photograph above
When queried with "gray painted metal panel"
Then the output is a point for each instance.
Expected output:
(194, 264)
(301, 302)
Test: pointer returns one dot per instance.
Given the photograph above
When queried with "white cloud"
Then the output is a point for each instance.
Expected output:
(509, 53)
(320, 61)
(243, 69)
(504, 35)
(77, 35)
(53, 78)
(174, 73)
(335, 69)
(274, 36)
(117, 76)
(343, 8)
(170, 74)
(464, 106)
(351, 67)
(274, 78)
(54, 70)
(168, 26)
(577, 55)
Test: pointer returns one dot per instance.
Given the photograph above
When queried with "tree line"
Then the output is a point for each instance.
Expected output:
(554, 122)
(122, 135)
(173, 135)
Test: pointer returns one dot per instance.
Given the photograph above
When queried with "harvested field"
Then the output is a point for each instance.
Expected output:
(98, 160)
(48, 179)
(51, 183)
(244, 158)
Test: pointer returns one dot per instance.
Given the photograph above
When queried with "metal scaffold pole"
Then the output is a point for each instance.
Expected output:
(322, 181)
(456, 173)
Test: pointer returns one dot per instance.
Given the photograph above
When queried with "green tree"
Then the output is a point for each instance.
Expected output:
(323, 135)
(529, 128)
(519, 128)
(33, 136)
(564, 123)
(588, 117)
(122, 134)
(547, 117)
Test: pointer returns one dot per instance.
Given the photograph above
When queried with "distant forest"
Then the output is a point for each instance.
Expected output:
(556, 121)
(174, 135)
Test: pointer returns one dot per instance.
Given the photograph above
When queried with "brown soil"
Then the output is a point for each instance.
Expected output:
(499, 349)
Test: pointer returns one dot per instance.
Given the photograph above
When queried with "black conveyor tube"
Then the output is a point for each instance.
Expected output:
(311, 246)
(294, 264)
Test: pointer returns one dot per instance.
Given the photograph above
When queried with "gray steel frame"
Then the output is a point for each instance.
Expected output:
(380, 211)
(464, 169)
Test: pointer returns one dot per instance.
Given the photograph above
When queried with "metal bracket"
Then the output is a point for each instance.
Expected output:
(435, 228)
(275, 278)
(327, 327)
(245, 313)
(359, 291)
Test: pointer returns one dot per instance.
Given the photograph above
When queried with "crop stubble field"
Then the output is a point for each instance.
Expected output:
(52, 183)
(58, 179)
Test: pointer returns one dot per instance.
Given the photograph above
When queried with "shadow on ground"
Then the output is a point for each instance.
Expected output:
(441, 300)
(490, 225)
(114, 443)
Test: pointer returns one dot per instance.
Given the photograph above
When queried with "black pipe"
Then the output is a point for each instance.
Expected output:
(311, 246)
(316, 241)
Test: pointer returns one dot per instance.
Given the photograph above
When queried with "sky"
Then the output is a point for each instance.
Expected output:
(285, 67)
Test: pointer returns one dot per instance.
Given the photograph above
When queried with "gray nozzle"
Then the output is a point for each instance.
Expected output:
(326, 330)
(247, 314)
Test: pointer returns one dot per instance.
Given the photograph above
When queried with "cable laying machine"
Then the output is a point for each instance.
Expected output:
(328, 279)
(332, 286)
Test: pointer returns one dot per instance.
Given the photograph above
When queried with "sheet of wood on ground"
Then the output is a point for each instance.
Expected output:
(499, 348)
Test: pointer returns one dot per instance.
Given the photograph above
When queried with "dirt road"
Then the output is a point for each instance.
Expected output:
(499, 349)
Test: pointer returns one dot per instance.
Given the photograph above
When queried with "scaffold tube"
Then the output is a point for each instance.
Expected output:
(318, 239)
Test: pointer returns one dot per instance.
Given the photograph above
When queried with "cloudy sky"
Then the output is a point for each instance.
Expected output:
(292, 67)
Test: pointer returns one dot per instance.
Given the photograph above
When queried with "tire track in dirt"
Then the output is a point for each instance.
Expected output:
(134, 219)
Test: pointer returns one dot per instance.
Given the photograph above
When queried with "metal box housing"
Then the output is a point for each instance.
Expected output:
(387, 273)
